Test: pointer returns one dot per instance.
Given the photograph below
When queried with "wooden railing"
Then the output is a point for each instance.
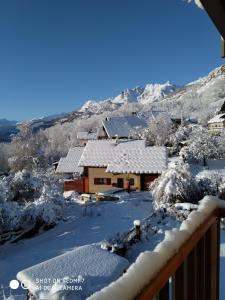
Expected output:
(193, 272)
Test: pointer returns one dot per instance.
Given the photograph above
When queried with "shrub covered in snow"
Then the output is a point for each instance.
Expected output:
(26, 198)
(176, 184)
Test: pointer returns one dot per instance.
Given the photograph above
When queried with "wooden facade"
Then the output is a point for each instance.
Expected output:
(77, 185)
(100, 180)
(97, 180)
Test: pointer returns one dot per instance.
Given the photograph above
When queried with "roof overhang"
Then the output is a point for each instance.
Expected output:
(216, 11)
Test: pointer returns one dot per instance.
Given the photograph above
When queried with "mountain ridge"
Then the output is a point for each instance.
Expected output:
(199, 99)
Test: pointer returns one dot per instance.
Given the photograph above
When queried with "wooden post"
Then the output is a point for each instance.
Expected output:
(192, 276)
(137, 226)
(215, 247)
(178, 284)
(208, 265)
(201, 269)
(164, 293)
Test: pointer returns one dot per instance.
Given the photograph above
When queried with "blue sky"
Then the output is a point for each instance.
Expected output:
(56, 54)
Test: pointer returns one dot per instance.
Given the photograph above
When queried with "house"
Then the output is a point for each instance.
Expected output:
(121, 163)
(217, 123)
(122, 126)
(84, 136)
(125, 126)
(69, 166)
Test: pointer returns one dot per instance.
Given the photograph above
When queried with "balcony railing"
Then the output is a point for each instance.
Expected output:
(185, 266)
(194, 270)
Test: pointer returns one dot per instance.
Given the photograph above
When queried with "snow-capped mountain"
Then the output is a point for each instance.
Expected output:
(143, 95)
(199, 99)
(156, 92)
(128, 96)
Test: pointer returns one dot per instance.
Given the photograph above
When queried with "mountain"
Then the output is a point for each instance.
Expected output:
(4, 122)
(156, 92)
(49, 121)
(10, 128)
(143, 95)
(7, 129)
(199, 99)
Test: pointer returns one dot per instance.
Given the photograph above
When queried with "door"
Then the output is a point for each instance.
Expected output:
(146, 179)
(86, 185)
(120, 183)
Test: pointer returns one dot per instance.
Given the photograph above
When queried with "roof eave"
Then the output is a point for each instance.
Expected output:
(216, 11)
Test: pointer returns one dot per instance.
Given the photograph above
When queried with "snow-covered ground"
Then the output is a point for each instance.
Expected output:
(92, 223)
(83, 224)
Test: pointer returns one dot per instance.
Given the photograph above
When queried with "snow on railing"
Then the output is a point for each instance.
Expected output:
(149, 264)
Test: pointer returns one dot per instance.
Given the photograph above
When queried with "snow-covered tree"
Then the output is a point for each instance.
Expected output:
(178, 137)
(202, 145)
(159, 130)
(28, 150)
(175, 184)
(26, 198)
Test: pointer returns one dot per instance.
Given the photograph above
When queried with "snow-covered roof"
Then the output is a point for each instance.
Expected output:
(85, 135)
(152, 114)
(217, 119)
(122, 126)
(124, 156)
(69, 164)
(92, 266)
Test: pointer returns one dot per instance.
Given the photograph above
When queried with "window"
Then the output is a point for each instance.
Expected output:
(106, 181)
(131, 181)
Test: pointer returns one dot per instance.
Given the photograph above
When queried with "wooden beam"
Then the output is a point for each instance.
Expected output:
(216, 11)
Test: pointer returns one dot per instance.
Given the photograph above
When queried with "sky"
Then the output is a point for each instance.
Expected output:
(56, 54)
